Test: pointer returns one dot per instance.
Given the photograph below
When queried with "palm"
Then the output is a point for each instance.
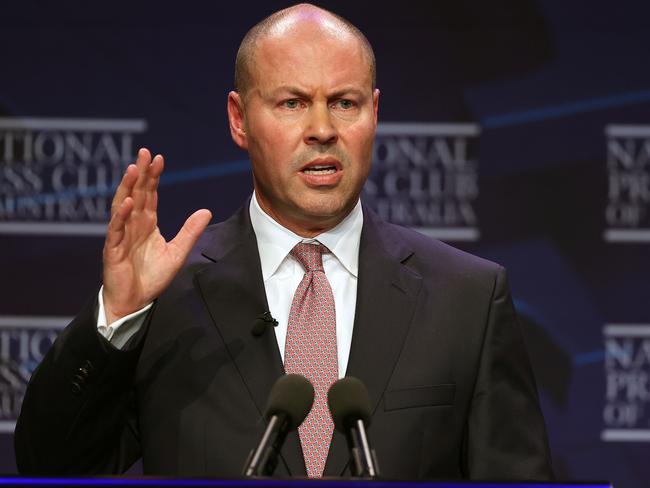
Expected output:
(138, 263)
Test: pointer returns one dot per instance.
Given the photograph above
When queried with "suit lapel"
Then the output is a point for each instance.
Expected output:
(387, 293)
(233, 291)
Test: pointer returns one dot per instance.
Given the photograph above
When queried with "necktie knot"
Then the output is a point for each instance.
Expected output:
(309, 255)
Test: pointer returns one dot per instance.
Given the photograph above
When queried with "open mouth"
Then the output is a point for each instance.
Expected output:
(324, 172)
(320, 169)
(322, 166)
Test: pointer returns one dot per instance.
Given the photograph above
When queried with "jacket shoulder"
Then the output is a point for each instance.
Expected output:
(430, 254)
(220, 238)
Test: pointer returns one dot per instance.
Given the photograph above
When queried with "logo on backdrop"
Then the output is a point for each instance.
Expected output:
(425, 176)
(57, 176)
(626, 414)
(23, 343)
(628, 166)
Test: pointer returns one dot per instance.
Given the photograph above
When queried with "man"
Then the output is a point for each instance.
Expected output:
(176, 375)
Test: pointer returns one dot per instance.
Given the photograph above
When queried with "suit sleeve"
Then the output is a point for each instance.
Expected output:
(505, 436)
(78, 414)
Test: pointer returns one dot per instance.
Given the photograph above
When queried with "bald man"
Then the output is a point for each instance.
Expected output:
(162, 363)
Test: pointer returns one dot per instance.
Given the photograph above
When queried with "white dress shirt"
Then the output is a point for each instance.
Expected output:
(282, 274)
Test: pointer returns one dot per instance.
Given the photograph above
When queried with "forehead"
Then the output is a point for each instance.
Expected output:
(311, 57)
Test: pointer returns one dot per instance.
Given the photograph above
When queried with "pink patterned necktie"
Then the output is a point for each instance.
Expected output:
(310, 350)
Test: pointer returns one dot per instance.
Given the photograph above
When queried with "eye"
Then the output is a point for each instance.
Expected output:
(291, 104)
(345, 104)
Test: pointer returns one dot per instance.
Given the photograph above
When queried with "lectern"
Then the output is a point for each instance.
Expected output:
(278, 483)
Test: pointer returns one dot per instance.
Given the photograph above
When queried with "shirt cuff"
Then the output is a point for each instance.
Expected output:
(133, 321)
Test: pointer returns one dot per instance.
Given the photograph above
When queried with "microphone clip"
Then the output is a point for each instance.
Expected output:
(268, 319)
(262, 322)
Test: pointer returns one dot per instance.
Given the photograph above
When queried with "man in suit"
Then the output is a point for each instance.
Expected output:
(174, 375)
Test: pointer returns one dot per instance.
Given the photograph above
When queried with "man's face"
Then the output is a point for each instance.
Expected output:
(308, 122)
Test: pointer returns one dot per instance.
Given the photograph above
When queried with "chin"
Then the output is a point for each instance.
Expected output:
(326, 208)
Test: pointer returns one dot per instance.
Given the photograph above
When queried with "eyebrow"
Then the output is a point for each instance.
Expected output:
(294, 90)
(348, 91)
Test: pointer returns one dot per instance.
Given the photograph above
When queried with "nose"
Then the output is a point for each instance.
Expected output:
(320, 129)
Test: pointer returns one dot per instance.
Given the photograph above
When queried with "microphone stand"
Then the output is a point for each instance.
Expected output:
(364, 460)
(263, 460)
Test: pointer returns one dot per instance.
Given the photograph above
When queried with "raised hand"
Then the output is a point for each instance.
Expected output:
(138, 263)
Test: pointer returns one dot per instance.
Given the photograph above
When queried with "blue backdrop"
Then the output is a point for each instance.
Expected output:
(518, 130)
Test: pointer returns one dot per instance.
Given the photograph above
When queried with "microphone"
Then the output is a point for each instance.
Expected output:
(289, 403)
(262, 322)
(349, 403)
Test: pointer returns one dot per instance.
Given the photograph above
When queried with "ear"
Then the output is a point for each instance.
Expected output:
(375, 103)
(236, 119)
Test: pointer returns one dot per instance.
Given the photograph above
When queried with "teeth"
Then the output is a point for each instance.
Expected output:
(320, 170)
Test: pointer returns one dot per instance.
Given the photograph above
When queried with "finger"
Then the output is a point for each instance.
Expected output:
(190, 233)
(125, 187)
(155, 170)
(117, 225)
(139, 189)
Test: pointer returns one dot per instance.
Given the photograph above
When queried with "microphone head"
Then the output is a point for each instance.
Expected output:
(259, 326)
(262, 322)
(349, 401)
(292, 396)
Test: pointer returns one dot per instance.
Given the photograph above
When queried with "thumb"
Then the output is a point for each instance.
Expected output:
(190, 232)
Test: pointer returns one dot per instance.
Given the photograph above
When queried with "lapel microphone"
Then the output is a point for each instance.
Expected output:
(262, 322)
(351, 410)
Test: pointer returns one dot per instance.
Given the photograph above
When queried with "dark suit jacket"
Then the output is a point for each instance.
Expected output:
(435, 340)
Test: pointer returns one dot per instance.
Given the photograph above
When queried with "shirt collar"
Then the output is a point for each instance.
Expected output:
(275, 241)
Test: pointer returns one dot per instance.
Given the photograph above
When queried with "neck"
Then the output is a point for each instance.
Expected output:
(308, 226)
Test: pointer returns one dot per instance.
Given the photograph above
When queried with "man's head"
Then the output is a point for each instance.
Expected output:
(282, 19)
(306, 111)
